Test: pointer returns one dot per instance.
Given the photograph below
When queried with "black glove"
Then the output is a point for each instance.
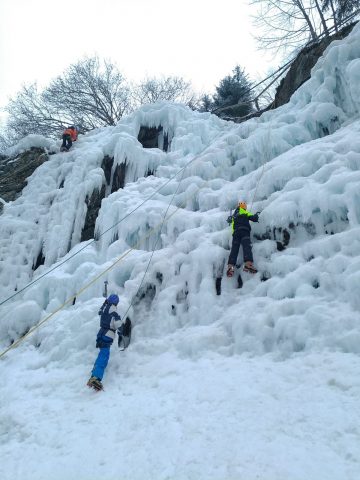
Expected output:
(229, 219)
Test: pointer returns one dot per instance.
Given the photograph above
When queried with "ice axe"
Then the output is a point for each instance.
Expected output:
(105, 292)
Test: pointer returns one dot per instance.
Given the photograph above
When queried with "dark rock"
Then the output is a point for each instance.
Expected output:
(94, 201)
(149, 138)
(106, 165)
(39, 261)
(265, 276)
(280, 247)
(286, 237)
(118, 180)
(300, 69)
(15, 170)
(147, 293)
(218, 285)
(93, 206)
(299, 72)
(119, 177)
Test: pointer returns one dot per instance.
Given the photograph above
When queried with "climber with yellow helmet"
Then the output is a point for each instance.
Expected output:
(240, 223)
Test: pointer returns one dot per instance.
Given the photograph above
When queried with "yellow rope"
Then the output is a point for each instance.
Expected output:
(35, 327)
(182, 169)
(69, 300)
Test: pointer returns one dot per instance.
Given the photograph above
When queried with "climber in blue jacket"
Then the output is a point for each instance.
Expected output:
(110, 322)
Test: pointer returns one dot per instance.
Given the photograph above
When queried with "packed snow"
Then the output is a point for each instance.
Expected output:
(258, 382)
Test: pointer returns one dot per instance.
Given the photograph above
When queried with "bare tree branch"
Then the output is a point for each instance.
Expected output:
(287, 25)
(155, 89)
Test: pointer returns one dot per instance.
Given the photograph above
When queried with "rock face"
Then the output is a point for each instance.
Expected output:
(118, 178)
(299, 72)
(153, 138)
(15, 171)
(115, 177)
(94, 201)
(93, 206)
(300, 69)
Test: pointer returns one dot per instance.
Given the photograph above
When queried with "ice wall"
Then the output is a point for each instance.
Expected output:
(298, 165)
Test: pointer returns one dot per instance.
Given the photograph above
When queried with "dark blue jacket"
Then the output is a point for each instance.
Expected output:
(110, 321)
(241, 219)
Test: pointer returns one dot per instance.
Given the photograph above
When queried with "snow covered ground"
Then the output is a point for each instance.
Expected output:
(165, 416)
(258, 382)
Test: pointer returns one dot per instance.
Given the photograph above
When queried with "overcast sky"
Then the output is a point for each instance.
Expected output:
(200, 40)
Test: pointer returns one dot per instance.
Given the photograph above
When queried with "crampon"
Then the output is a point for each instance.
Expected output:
(95, 383)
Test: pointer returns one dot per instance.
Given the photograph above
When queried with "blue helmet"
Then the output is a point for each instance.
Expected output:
(113, 299)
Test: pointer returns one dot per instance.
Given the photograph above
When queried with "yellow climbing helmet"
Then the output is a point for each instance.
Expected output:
(243, 205)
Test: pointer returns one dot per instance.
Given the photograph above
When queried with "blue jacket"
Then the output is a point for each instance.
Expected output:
(110, 321)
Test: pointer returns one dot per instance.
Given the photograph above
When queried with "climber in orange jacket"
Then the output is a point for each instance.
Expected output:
(70, 135)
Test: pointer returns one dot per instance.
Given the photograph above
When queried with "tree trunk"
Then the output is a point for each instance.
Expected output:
(334, 15)
(323, 21)
(301, 7)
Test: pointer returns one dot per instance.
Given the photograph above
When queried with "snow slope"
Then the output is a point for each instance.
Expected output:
(258, 382)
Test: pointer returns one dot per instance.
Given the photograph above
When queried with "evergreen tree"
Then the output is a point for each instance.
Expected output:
(341, 8)
(206, 103)
(234, 89)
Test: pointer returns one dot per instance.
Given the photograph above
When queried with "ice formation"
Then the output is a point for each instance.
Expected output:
(298, 165)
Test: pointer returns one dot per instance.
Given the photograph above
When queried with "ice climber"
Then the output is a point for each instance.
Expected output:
(240, 223)
(110, 322)
(70, 135)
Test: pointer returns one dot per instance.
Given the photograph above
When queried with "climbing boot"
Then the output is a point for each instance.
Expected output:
(249, 267)
(95, 383)
(230, 271)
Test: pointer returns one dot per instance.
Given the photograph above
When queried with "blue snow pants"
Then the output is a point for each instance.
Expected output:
(103, 356)
(101, 363)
